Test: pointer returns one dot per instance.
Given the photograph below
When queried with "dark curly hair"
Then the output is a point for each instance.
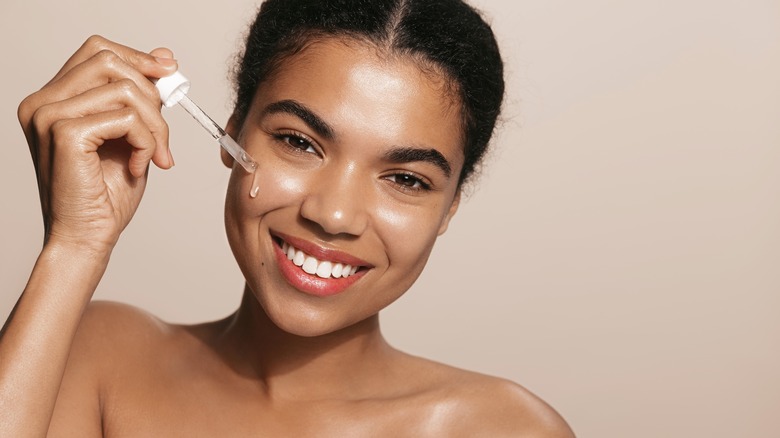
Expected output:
(447, 36)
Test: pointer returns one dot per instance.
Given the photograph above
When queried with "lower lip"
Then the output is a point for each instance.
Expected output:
(311, 284)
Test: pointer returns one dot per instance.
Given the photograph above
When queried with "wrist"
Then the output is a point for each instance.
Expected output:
(90, 248)
(66, 273)
(89, 254)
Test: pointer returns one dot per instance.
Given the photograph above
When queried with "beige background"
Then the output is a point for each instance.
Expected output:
(619, 257)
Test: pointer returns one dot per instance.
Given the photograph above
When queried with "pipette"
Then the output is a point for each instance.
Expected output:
(173, 89)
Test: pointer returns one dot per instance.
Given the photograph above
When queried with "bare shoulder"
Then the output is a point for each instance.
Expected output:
(511, 410)
(105, 348)
(111, 321)
(482, 405)
(111, 334)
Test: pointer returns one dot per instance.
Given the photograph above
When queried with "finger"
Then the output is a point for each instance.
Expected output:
(165, 53)
(78, 139)
(102, 68)
(145, 63)
(108, 97)
(162, 52)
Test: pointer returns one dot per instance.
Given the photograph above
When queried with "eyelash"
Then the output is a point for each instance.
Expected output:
(418, 184)
(289, 137)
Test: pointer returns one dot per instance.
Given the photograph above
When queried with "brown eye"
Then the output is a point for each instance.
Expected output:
(409, 181)
(299, 143)
(296, 142)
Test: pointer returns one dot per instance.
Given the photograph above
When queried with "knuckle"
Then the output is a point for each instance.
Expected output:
(25, 110)
(63, 132)
(155, 95)
(107, 58)
(95, 42)
(162, 128)
(159, 131)
(41, 117)
(126, 87)
(129, 115)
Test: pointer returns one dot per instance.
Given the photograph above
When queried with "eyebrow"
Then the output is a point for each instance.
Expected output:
(395, 155)
(412, 154)
(299, 110)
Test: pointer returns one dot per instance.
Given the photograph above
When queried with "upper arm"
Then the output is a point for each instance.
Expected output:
(108, 338)
(77, 409)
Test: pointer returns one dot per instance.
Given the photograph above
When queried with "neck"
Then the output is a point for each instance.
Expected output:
(292, 366)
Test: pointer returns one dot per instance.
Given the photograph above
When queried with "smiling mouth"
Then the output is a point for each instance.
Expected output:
(313, 266)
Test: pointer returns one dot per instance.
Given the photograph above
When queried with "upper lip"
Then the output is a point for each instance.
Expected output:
(322, 253)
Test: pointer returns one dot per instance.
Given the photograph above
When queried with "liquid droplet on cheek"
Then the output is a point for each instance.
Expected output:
(255, 184)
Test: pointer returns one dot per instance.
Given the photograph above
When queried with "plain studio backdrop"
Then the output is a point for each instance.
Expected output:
(620, 255)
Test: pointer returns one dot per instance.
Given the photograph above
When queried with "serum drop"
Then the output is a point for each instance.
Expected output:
(255, 185)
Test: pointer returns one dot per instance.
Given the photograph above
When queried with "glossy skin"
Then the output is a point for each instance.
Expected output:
(301, 356)
(343, 193)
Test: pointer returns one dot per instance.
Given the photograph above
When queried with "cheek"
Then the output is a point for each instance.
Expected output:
(277, 185)
(267, 189)
(409, 235)
(251, 197)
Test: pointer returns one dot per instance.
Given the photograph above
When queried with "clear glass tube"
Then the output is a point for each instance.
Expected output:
(234, 149)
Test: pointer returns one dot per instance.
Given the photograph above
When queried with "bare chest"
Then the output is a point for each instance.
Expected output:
(204, 408)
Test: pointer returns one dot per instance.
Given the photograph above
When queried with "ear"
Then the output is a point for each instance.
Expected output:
(233, 130)
(453, 209)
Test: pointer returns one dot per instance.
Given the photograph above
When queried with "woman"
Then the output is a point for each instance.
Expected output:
(366, 118)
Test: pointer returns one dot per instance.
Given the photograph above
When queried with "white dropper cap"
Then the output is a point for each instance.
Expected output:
(172, 88)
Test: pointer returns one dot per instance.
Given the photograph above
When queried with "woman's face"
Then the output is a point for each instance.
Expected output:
(359, 156)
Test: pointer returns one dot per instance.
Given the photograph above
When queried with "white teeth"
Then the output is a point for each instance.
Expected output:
(299, 258)
(324, 269)
(312, 266)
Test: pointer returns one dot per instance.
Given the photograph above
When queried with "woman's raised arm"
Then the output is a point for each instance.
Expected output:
(92, 131)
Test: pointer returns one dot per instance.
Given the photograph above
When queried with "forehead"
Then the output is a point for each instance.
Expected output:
(361, 90)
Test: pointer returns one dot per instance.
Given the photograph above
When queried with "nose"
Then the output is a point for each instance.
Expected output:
(336, 201)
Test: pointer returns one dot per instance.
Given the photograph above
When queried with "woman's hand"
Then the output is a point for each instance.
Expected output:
(92, 131)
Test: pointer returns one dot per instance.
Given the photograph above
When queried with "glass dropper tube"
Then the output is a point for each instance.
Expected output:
(219, 134)
(173, 89)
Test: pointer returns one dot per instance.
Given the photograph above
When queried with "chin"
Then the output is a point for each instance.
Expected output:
(307, 320)
(307, 326)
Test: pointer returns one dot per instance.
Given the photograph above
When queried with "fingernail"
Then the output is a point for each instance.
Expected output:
(168, 62)
(170, 157)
